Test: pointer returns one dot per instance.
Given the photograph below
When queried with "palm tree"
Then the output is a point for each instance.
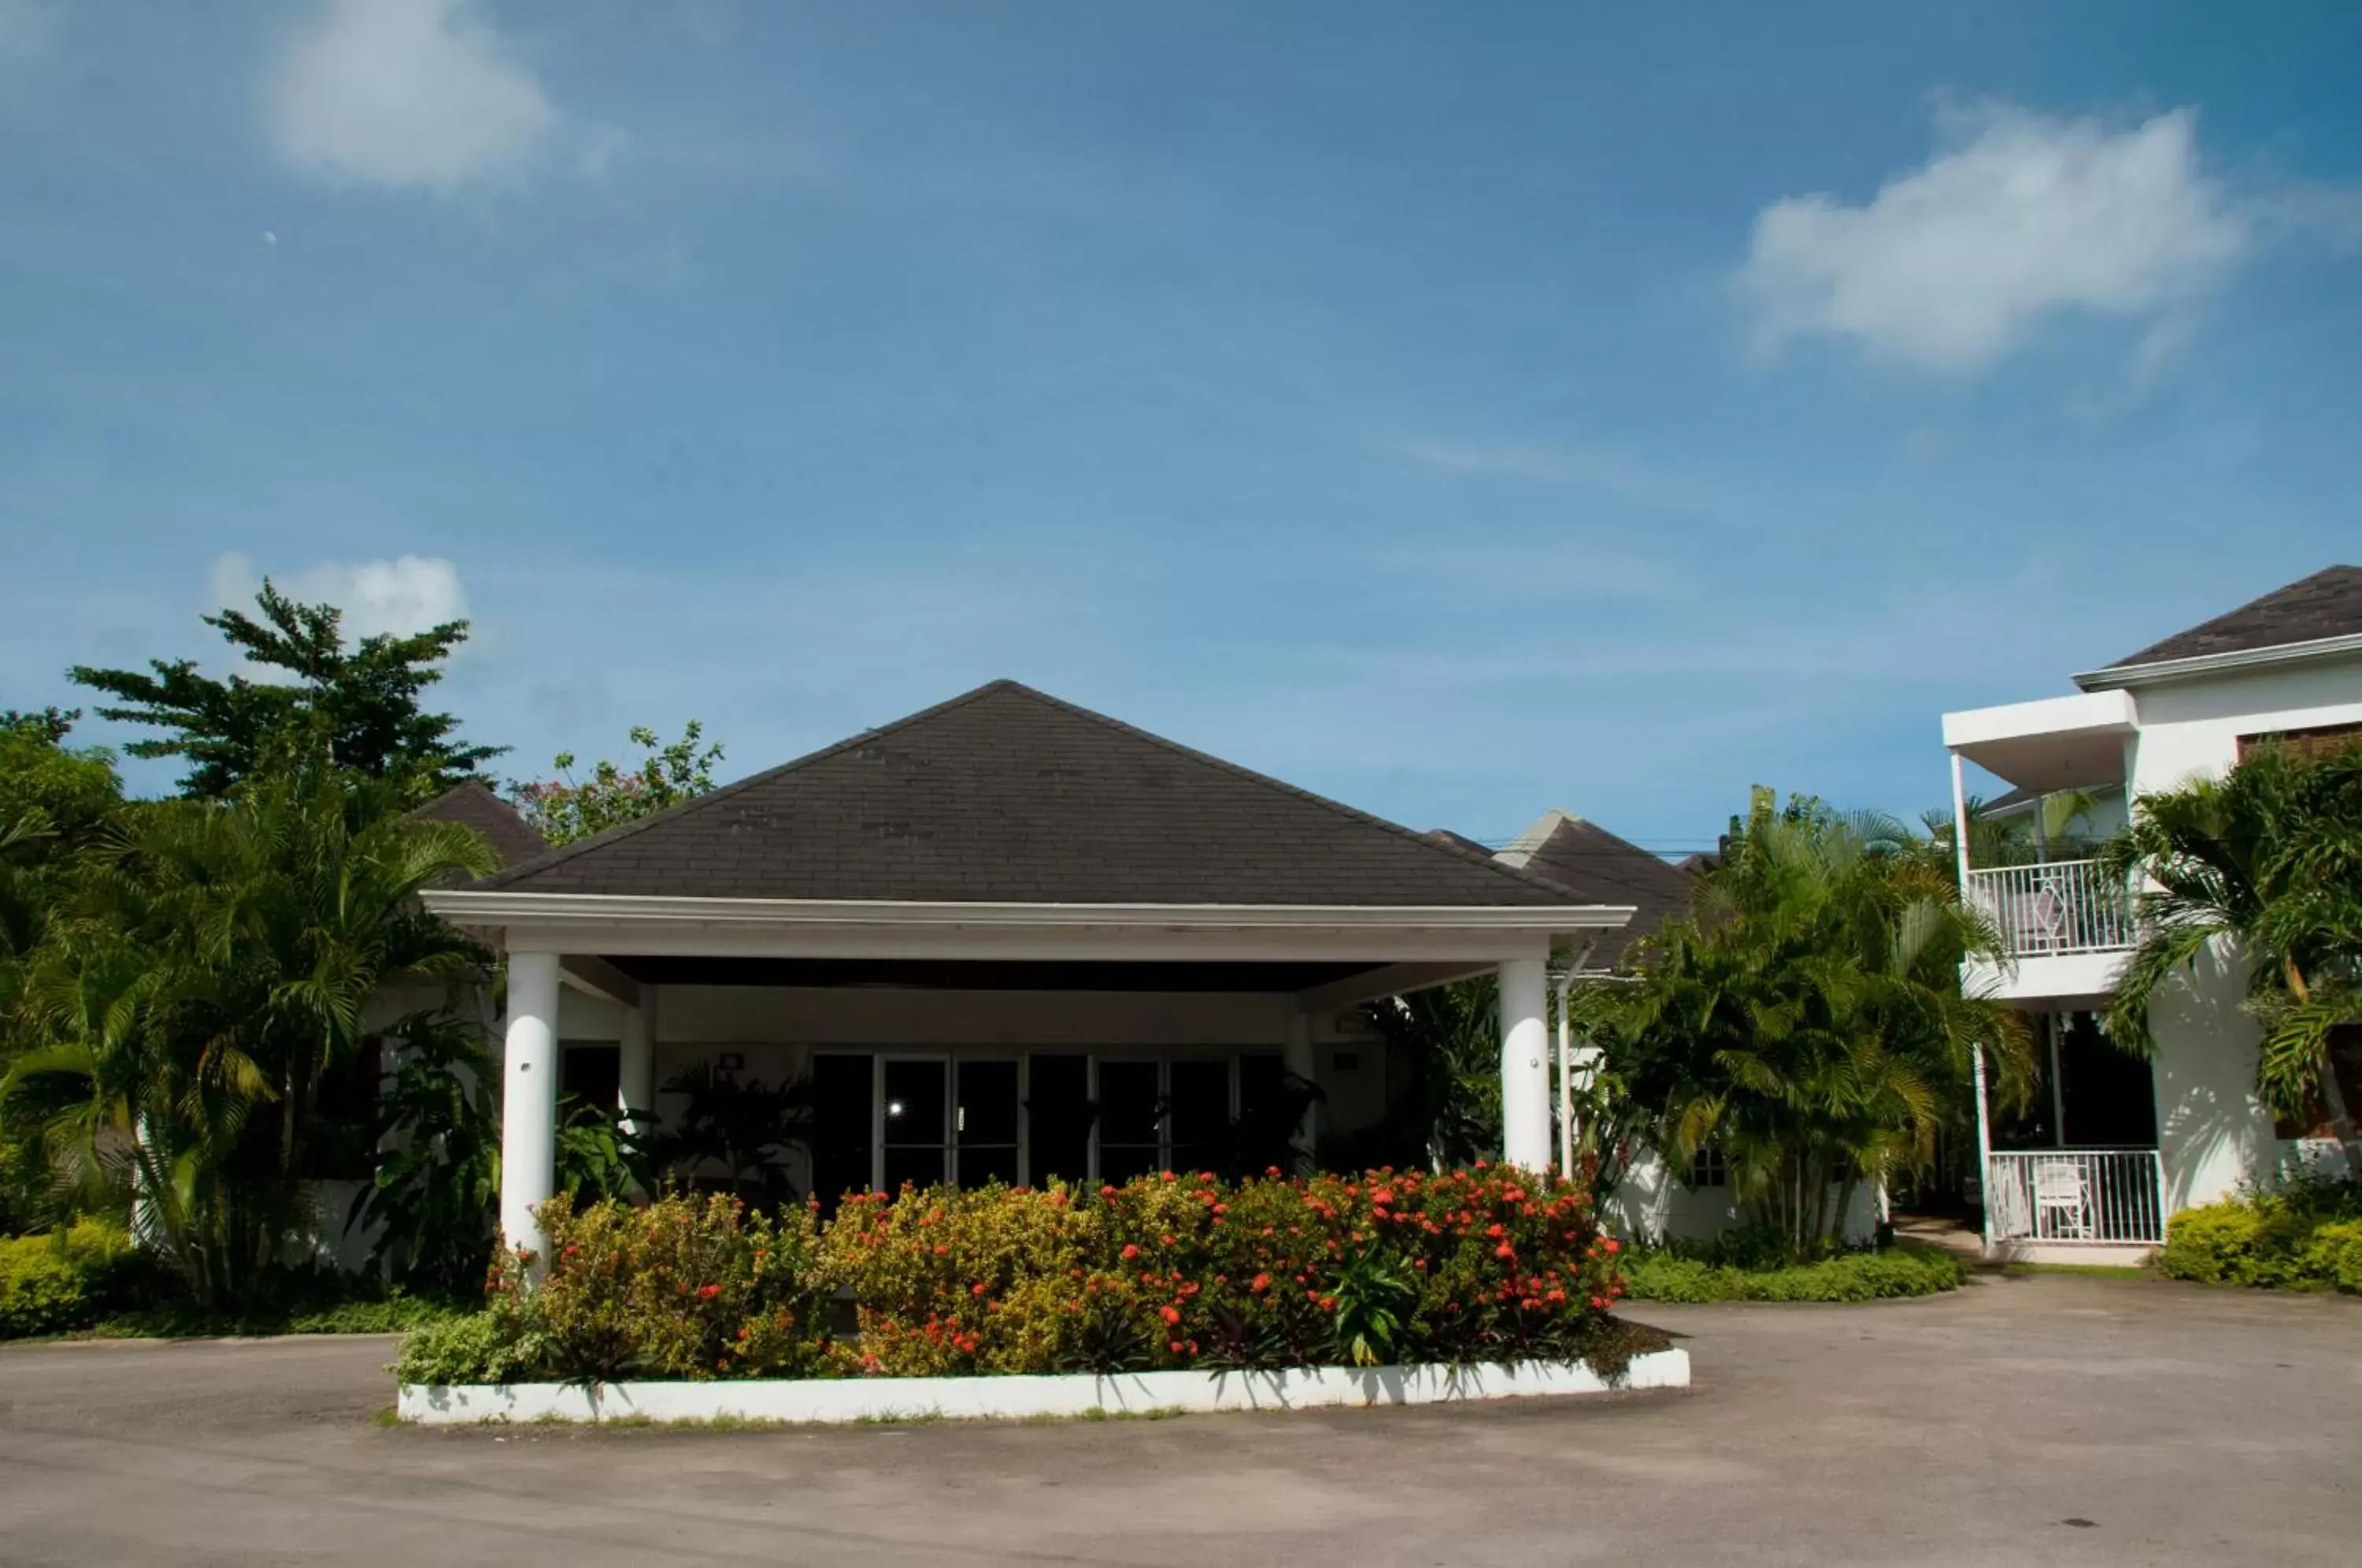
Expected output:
(2267, 863)
(205, 982)
(1805, 1019)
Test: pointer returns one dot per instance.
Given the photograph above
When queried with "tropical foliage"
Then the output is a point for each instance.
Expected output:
(563, 810)
(1805, 1019)
(1449, 1110)
(209, 975)
(359, 704)
(2305, 1235)
(2262, 867)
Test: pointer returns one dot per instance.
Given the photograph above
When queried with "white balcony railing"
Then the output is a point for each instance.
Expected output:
(2101, 1196)
(2065, 906)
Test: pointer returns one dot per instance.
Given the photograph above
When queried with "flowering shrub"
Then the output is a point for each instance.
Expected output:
(1162, 1272)
(686, 1288)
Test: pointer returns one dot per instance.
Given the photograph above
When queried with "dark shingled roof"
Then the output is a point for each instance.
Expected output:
(2326, 604)
(1006, 795)
(1598, 867)
(474, 805)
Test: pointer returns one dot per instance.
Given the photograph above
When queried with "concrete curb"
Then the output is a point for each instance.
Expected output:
(1015, 1398)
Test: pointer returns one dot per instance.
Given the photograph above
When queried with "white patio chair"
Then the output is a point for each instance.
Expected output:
(2061, 1201)
(2046, 913)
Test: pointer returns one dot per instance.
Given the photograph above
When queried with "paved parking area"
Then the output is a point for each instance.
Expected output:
(2053, 1419)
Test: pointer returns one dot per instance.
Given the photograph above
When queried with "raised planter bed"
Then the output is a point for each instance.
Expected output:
(888, 1399)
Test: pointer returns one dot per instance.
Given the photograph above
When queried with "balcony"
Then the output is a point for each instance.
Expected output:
(2054, 909)
(2075, 1197)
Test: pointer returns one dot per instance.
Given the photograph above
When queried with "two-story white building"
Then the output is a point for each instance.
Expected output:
(2114, 1144)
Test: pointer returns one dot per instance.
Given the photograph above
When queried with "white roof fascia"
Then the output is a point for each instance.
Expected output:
(501, 907)
(2117, 676)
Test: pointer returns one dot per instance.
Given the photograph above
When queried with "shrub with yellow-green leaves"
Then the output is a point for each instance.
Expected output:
(1162, 1272)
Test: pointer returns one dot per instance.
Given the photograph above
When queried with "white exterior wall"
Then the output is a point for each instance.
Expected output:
(2215, 1134)
(1649, 1205)
(2193, 727)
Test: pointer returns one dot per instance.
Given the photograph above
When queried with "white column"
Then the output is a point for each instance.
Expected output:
(1984, 1144)
(1295, 1056)
(1566, 1076)
(1961, 824)
(636, 1086)
(529, 1097)
(1525, 1064)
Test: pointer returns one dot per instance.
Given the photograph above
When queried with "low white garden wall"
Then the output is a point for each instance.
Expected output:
(886, 1399)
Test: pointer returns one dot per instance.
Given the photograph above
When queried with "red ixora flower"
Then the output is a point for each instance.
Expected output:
(1170, 1314)
(708, 1292)
(1130, 1251)
(1261, 1283)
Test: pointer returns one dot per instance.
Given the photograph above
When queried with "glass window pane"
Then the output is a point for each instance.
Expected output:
(1128, 1097)
(592, 1073)
(1058, 1116)
(1122, 1161)
(921, 1167)
(1201, 1101)
(842, 1101)
(989, 1164)
(1201, 1115)
(987, 1103)
(1264, 1125)
(915, 1102)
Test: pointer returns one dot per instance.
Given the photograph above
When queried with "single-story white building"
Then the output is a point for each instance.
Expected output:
(1005, 938)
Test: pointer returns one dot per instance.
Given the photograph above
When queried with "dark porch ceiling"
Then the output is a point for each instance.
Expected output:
(964, 975)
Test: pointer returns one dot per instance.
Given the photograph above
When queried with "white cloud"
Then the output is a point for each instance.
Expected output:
(2019, 216)
(27, 27)
(408, 594)
(406, 92)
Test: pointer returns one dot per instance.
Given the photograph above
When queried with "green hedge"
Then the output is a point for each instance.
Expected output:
(1160, 1273)
(2306, 1237)
(1854, 1276)
(55, 1284)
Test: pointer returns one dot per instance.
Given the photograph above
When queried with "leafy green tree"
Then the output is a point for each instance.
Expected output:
(2265, 864)
(188, 1007)
(57, 806)
(361, 702)
(562, 810)
(1805, 1019)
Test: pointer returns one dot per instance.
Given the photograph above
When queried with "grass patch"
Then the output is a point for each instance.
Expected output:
(2093, 1271)
(1852, 1276)
(184, 1320)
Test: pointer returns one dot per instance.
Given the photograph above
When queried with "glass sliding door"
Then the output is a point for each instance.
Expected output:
(1058, 1116)
(844, 1126)
(1130, 1119)
(985, 1121)
(914, 1125)
(1198, 1104)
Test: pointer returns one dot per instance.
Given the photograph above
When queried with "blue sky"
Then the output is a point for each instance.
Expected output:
(1460, 410)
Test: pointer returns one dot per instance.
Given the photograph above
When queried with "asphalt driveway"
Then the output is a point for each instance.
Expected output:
(2046, 1420)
